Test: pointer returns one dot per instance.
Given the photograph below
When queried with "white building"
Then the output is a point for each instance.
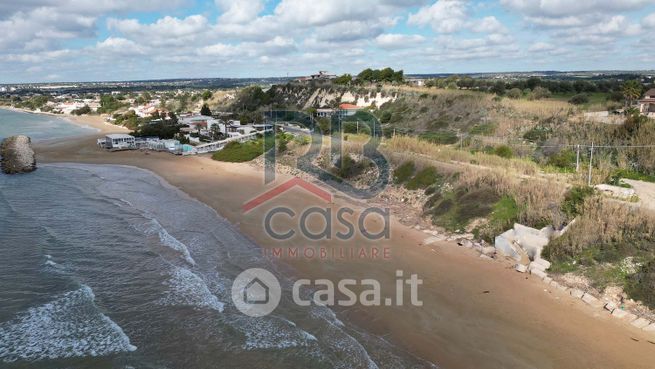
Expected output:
(118, 141)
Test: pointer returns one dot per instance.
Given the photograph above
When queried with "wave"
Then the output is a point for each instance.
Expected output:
(188, 289)
(69, 326)
(169, 241)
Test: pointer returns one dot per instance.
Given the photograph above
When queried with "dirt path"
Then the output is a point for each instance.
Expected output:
(645, 191)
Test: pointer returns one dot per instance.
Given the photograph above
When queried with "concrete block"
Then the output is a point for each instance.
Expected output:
(619, 313)
(650, 328)
(630, 317)
(610, 306)
(577, 293)
(504, 245)
(562, 287)
(485, 257)
(538, 273)
(547, 280)
(536, 266)
(640, 323)
(543, 262)
(520, 231)
(431, 240)
(521, 268)
(489, 250)
(592, 301)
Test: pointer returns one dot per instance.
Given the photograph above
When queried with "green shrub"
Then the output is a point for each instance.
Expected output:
(349, 167)
(440, 137)
(574, 199)
(423, 179)
(404, 172)
(483, 129)
(237, 152)
(642, 285)
(538, 134)
(579, 99)
(504, 151)
(564, 159)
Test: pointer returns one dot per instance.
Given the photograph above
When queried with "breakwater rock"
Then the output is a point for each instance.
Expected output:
(17, 155)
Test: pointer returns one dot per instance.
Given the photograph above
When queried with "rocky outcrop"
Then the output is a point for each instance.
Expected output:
(17, 155)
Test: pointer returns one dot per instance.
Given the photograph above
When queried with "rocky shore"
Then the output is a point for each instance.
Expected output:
(17, 155)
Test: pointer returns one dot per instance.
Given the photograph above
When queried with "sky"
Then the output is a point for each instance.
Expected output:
(102, 40)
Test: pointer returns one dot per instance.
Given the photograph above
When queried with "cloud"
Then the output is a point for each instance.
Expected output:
(566, 8)
(239, 11)
(165, 31)
(444, 16)
(649, 21)
(117, 46)
(398, 41)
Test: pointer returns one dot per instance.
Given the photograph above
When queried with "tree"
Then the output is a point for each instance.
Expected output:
(205, 110)
(514, 93)
(498, 88)
(579, 99)
(344, 79)
(206, 95)
(632, 91)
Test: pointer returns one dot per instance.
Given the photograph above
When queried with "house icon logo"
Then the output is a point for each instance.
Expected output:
(256, 292)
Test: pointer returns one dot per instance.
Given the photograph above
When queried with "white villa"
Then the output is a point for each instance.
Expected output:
(118, 141)
(647, 104)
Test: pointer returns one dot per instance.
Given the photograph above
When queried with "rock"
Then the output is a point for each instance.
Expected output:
(538, 273)
(485, 257)
(592, 301)
(562, 287)
(17, 155)
(650, 328)
(641, 323)
(547, 280)
(577, 293)
(489, 250)
(521, 268)
(431, 240)
(610, 306)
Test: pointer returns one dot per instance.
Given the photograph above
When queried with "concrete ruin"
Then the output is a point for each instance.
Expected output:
(523, 242)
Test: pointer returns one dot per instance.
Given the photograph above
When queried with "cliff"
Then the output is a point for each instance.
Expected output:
(17, 155)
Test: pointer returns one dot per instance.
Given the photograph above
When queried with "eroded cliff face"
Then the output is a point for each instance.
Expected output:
(17, 155)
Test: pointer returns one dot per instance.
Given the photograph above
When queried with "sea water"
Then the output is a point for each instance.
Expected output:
(105, 266)
(38, 126)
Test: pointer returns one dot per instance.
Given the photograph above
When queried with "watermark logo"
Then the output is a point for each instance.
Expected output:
(332, 127)
(284, 187)
(256, 292)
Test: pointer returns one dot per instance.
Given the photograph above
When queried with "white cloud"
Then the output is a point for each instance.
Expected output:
(487, 25)
(564, 8)
(239, 11)
(649, 21)
(165, 31)
(444, 16)
(117, 46)
(398, 41)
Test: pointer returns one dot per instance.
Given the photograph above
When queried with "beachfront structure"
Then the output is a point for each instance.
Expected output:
(119, 141)
(647, 104)
(349, 109)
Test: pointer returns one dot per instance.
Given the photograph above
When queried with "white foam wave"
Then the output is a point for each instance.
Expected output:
(69, 326)
(188, 289)
(273, 333)
(169, 241)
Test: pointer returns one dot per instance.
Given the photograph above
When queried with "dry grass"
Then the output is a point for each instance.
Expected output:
(606, 222)
(413, 145)
(537, 108)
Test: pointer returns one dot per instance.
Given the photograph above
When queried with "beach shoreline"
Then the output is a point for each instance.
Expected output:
(96, 122)
(519, 323)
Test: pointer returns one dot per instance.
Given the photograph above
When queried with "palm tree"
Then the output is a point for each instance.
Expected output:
(632, 91)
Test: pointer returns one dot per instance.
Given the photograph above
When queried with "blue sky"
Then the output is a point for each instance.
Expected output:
(84, 40)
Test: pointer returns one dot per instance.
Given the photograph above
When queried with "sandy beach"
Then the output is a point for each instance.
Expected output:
(475, 314)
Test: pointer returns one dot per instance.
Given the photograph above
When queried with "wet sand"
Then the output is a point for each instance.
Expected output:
(475, 314)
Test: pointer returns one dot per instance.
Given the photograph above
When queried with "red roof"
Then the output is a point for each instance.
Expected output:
(350, 107)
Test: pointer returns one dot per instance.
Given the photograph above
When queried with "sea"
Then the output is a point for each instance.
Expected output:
(106, 266)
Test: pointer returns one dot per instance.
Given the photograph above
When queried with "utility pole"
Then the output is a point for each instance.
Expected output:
(577, 160)
(591, 163)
